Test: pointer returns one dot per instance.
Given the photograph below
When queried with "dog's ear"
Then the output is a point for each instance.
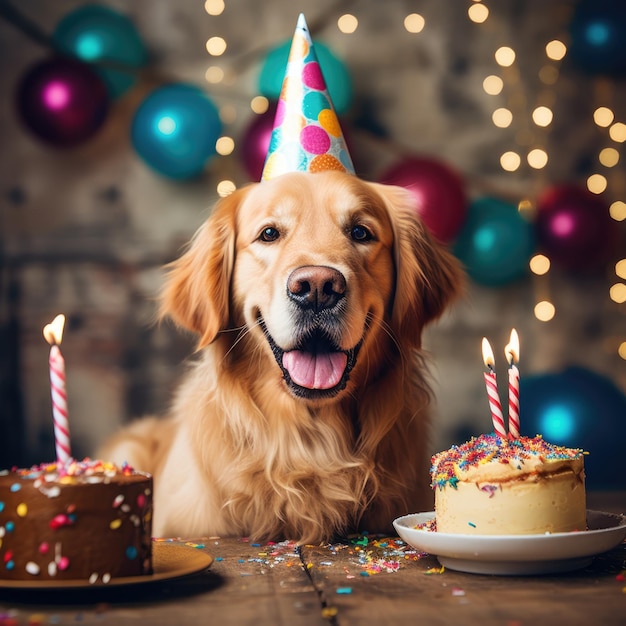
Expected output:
(428, 277)
(197, 288)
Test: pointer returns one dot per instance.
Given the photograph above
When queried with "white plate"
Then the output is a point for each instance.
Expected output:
(515, 554)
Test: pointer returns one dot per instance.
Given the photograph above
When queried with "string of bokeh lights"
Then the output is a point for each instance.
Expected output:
(537, 157)
(494, 85)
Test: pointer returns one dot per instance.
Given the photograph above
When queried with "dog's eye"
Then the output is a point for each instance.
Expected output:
(360, 233)
(269, 234)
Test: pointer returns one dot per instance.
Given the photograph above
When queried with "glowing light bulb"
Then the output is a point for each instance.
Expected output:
(493, 85)
(214, 7)
(502, 117)
(609, 157)
(603, 116)
(542, 116)
(556, 50)
(539, 264)
(414, 23)
(617, 293)
(216, 46)
(510, 161)
(347, 23)
(537, 158)
(225, 145)
(622, 350)
(478, 13)
(505, 56)
(617, 132)
(617, 211)
(544, 311)
(225, 188)
(596, 183)
(620, 268)
(259, 104)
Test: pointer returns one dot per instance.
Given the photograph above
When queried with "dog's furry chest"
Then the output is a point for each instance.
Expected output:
(298, 478)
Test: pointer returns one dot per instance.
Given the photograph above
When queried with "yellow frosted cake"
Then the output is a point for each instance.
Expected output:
(497, 486)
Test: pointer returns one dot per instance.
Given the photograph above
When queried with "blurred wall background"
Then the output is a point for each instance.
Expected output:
(86, 228)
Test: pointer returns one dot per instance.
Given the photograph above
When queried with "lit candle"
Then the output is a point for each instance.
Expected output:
(511, 351)
(53, 334)
(492, 390)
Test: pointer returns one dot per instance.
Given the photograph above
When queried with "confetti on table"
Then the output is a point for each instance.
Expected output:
(375, 554)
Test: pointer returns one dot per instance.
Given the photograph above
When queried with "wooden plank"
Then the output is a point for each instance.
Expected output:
(265, 584)
(390, 585)
(359, 581)
(246, 584)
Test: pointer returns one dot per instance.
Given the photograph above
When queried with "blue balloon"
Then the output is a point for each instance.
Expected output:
(597, 36)
(98, 34)
(495, 242)
(579, 408)
(174, 130)
(336, 75)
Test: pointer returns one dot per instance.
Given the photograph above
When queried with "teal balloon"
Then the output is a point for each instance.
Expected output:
(495, 242)
(597, 37)
(337, 77)
(97, 34)
(174, 130)
(579, 408)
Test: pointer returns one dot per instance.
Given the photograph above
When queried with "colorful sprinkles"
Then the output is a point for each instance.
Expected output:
(448, 466)
(65, 472)
(373, 554)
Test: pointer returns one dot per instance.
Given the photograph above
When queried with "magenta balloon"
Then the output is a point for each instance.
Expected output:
(439, 193)
(256, 142)
(62, 101)
(574, 227)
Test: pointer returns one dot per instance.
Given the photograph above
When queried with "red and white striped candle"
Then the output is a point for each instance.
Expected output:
(492, 390)
(53, 334)
(511, 352)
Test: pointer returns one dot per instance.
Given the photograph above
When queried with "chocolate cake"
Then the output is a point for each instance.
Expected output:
(83, 520)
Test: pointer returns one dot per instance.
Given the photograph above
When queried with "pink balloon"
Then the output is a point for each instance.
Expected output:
(574, 227)
(439, 193)
(256, 142)
(62, 101)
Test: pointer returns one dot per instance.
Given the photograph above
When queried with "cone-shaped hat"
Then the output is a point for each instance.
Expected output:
(306, 136)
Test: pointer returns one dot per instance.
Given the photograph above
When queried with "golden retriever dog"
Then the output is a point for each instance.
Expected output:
(305, 415)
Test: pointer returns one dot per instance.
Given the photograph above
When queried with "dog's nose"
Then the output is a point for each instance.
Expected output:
(316, 287)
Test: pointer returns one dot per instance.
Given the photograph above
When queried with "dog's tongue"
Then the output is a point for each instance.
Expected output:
(315, 371)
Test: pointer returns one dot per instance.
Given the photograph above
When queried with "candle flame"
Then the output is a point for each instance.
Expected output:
(488, 354)
(511, 350)
(53, 332)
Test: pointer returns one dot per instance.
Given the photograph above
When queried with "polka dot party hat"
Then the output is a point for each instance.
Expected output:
(306, 136)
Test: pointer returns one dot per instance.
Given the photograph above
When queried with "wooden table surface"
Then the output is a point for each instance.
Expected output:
(363, 580)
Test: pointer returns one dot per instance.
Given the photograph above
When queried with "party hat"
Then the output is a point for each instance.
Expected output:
(307, 136)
